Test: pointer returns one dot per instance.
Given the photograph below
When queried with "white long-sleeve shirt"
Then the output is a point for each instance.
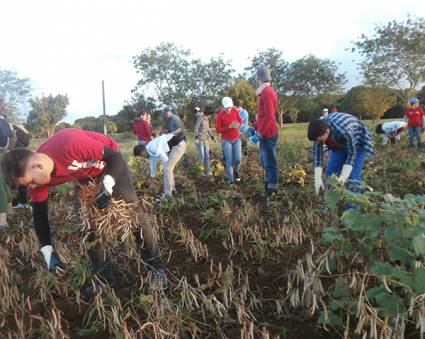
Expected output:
(158, 147)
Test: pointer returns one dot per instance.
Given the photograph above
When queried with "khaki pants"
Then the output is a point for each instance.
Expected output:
(174, 157)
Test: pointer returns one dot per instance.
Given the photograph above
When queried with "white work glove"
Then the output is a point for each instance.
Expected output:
(196, 141)
(51, 258)
(345, 174)
(318, 181)
(104, 196)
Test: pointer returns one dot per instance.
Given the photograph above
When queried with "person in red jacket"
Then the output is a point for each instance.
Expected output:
(268, 129)
(227, 124)
(414, 117)
(82, 156)
(142, 128)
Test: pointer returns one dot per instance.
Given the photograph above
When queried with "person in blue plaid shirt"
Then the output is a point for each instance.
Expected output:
(350, 142)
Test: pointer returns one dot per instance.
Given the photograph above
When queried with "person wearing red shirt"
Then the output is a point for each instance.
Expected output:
(142, 128)
(82, 156)
(414, 117)
(227, 124)
(268, 129)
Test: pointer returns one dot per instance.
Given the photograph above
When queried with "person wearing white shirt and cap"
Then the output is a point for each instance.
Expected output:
(325, 113)
(391, 130)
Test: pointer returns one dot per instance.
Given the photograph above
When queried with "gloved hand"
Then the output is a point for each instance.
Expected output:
(104, 196)
(196, 141)
(254, 139)
(318, 181)
(345, 174)
(51, 258)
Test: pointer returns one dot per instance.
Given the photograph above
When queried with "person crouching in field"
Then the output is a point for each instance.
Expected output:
(202, 134)
(168, 148)
(227, 124)
(415, 119)
(83, 156)
(350, 142)
(391, 130)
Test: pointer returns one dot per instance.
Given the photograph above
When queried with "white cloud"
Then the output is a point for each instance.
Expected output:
(70, 46)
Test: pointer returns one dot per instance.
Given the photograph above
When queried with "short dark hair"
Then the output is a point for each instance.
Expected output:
(316, 129)
(13, 165)
(208, 110)
(237, 103)
(138, 150)
(379, 130)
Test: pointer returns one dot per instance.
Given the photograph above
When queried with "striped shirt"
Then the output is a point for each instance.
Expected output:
(348, 131)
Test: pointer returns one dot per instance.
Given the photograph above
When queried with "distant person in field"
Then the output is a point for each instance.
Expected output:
(350, 142)
(414, 116)
(334, 110)
(245, 125)
(325, 113)
(142, 128)
(202, 134)
(391, 131)
(11, 136)
(227, 124)
(267, 129)
(168, 148)
(74, 155)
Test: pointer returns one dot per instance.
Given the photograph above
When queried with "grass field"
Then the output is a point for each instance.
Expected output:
(236, 269)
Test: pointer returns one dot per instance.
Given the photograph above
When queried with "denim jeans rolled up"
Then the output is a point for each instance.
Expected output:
(269, 161)
(232, 153)
(203, 149)
(415, 132)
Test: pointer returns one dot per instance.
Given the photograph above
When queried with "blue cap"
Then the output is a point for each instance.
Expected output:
(166, 110)
(413, 100)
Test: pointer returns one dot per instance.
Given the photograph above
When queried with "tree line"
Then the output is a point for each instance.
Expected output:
(392, 64)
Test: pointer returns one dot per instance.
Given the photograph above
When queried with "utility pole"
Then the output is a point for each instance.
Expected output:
(104, 109)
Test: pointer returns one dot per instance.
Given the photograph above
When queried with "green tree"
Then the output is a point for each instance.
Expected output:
(354, 100)
(139, 104)
(394, 56)
(90, 124)
(243, 91)
(111, 126)
(46, 112)
(15, 91)
(379, 100)
(178, 79)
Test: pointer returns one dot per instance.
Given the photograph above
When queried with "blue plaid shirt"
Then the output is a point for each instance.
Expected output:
(348, 131)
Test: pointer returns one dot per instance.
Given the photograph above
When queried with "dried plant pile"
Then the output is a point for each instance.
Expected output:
(116, 222)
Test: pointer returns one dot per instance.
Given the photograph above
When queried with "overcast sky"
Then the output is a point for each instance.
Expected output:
(69, 47)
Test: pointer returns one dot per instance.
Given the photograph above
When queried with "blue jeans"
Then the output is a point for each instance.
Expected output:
(232, 153)
(269, 162)
(203, 149)
(337, 161)
(415, 132)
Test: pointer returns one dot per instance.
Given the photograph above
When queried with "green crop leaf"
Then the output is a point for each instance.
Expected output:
(332, 198)
(419, 244)
(400, 254)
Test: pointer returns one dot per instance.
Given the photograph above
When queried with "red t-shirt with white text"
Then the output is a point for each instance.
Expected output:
(77, 155)
(414, 117)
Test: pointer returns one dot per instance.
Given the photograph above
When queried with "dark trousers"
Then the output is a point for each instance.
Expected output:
(269, 162)
(144, 237)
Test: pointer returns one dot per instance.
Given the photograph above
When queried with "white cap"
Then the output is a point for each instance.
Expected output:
(227, 102)
(197, 109)
(325, 110)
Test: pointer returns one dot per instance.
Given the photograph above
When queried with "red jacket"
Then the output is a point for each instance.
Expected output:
(143, 130)
(266, 123)
(223, 121)
(414, 117)
(77, 155)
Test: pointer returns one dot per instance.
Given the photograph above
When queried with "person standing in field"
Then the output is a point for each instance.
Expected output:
(244, 127)
(142, 128)
(74, 155)
(325, 113)
(391, 131)
(228, 122)
(202, 134)
(350, 142)
(414, 117)
(267, 128)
